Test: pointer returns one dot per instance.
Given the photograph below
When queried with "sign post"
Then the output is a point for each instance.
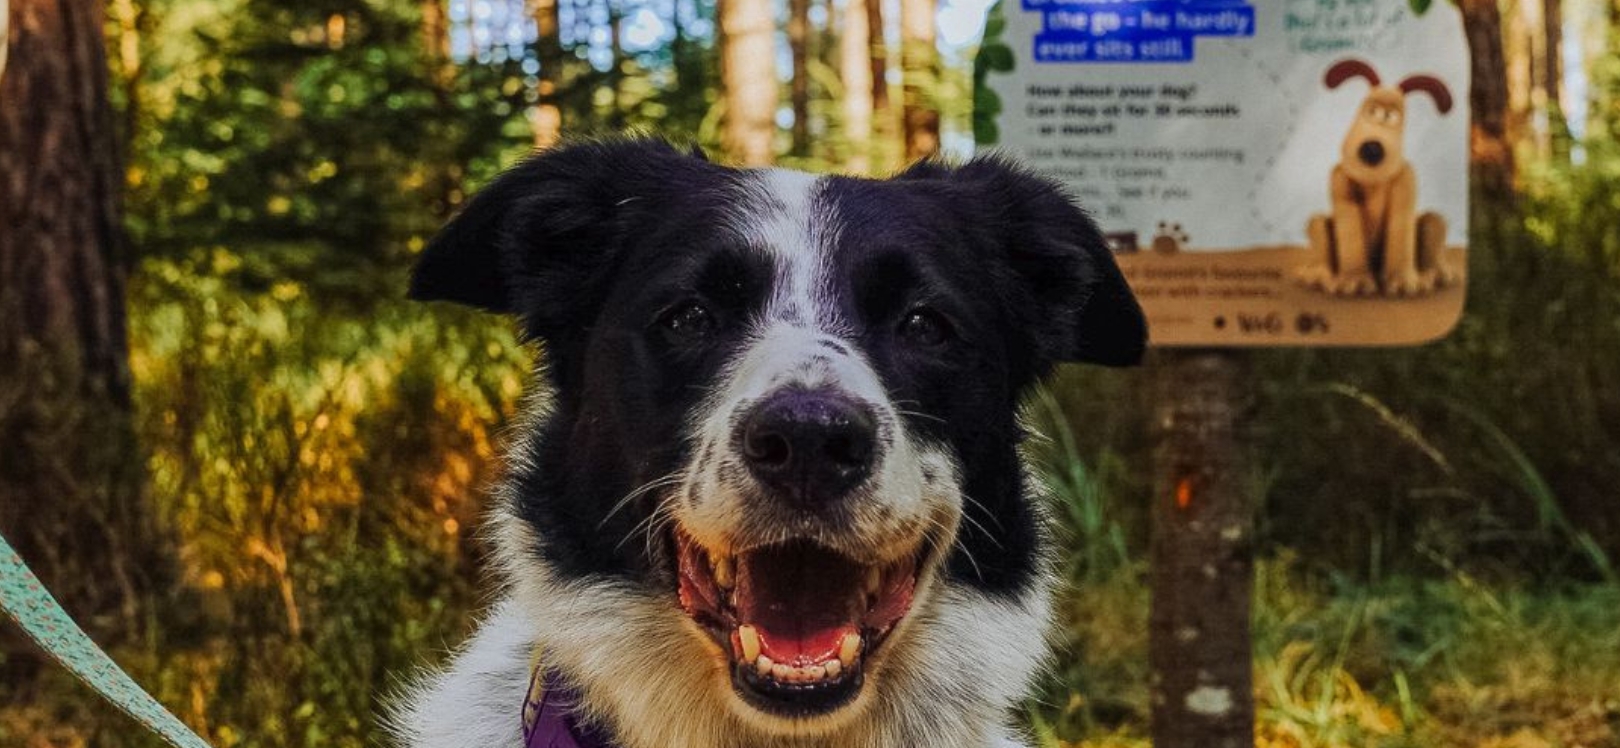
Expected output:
(1269, 173)
(1202, 558)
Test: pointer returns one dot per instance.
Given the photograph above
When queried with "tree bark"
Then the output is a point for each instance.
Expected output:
(855, 68)
(616, 75)
(1202, 553)
(919, 69)
(1491, 153)
(549, 50)
(5, 33)
(799, 45)
(443, 180)
(70, 477)
(748, 78)
(883, 119)
(1552, 24)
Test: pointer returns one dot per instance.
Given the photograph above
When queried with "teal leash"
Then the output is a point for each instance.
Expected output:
(27, 602)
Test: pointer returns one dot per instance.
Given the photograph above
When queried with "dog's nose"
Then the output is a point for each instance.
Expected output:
(1371, 153)
(814, 446)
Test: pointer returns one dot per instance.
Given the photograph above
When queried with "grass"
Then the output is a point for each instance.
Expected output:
(1406, 662)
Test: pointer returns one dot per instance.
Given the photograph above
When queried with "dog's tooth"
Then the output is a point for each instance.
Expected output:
(781, 672)
(750, 642)
(874, 579)
(764, 666)
(725, 572)
(849, 649)
(833, 668)
(815, 672)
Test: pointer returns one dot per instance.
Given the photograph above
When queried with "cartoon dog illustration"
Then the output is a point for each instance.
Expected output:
(1375, 240)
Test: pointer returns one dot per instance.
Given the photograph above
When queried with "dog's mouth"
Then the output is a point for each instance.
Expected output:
(799, 622)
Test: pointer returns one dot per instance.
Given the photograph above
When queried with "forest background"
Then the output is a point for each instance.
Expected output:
(257, 474)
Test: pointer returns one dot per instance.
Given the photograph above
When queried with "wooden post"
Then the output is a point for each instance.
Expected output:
(1202, 552)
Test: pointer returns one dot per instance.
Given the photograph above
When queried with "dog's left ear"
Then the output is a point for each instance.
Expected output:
(1081, 307)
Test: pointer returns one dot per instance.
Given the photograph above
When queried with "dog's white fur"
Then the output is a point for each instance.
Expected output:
(632, 657)
(946, 677)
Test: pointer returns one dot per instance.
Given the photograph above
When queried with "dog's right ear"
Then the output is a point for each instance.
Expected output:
(535, 242)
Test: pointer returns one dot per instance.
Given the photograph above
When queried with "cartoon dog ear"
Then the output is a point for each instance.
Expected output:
(1348, 68)
(537, 241)
(1432, 86)
(1078, 304)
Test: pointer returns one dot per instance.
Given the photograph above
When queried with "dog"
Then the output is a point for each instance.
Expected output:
(1375, 240)
(770, 493)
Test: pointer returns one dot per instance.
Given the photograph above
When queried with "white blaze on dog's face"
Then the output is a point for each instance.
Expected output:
(782, 438)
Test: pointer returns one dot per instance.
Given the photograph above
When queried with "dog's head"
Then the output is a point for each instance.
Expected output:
(783, 410)
(1374, 150)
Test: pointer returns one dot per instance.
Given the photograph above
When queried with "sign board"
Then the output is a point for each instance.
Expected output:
(1269, 172)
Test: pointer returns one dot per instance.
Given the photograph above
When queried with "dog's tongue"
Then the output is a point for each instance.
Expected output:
(801, 599)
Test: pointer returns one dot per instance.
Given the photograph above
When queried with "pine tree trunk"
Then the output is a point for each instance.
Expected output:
(443, 181)
(799, 45)
(883, 118)
(855, 67)
(748, 78)
(1552, 23)
(1491, 152)
(616, 75)
(549, 50)
(1202, 553)
(71, 474)
(919, 69)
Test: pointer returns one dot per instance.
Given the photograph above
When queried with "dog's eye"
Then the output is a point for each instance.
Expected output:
(688, 322)
(925, 327)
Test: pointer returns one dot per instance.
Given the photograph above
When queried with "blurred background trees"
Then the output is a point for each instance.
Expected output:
(267, 498)
(70, 482)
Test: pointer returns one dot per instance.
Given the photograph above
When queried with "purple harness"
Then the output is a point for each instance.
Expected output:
(548, 719)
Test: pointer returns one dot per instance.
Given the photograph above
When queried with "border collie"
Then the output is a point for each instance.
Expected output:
(770, 494)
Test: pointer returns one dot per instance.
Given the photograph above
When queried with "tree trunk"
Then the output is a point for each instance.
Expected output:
(1520, 61)
(1202, 553)
(919, 70)
(1491, 153)
(5, 33)
(443, 180)
(855, 67)
(549, 49)
(70, 477)
(799, 44)
(883, 119)
(1552, 24)
(748, 78)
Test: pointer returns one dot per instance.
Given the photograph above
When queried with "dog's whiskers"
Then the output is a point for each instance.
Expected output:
(943, 529)
(652, 485)
(980, 527)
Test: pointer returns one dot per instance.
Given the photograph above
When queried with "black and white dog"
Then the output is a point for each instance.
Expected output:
(773, 494)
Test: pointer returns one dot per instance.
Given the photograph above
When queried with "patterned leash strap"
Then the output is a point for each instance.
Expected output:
(27, 602)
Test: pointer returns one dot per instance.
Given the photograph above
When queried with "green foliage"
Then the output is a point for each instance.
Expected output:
(994, 57)
(321, 470)
(319, 141)
(1413, 663)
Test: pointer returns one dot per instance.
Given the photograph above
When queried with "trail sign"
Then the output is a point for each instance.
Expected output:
(1274, 172)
